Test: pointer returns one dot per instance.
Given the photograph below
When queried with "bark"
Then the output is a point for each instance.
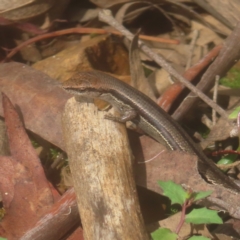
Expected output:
(100, 162)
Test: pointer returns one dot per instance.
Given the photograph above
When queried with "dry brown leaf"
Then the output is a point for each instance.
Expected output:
(180, 168)
(107, 3)
(219, 132)
(206, 35)
(80, 14)
(29, 53)
(138, 79)
(7, 180)
(39, 98)
(86, 56)
(218, 25)
(178, 54)
(27, 194)
(4, 148)
(224, 237)
(123, 10)
(228, 11)
(231, 227)
(161, 79)
(7, 5)
(24, 9)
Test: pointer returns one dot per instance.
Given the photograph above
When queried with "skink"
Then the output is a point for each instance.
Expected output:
(147, 115)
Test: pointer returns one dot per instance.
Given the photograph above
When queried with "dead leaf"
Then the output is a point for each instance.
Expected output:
(219, 132)
(122, 11)
(218, 25)
(24, 9)
(182, 169)
(7, 180)
(39, 98)
(26, 193)
(86, 56)
(227, 11)
(61, 218)
(107, 3)
(206, 35)
(138, 79)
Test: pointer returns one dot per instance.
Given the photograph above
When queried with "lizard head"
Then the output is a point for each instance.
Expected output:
(83, 84)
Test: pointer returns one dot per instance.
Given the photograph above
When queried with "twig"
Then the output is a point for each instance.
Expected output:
(80, 30)
(105, 15)
(191, 50)
(224, 152)
(226, 166)
(207, 121)
(228, 56)
(149, 160)
(168, 97)
(215, 92)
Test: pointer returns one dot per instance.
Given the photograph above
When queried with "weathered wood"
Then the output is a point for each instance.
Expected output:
(100, 162)
(58, 221)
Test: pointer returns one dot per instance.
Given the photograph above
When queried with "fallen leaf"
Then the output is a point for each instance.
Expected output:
(39, 98)
(25, 190)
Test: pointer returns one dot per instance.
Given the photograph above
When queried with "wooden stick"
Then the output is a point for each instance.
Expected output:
(58, 221)
(100, 162)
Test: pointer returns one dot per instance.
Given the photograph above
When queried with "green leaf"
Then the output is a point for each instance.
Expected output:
(174, 191)
(35, 145)
(163, 233)
(54, 152)
(198, 238)
(234, 114)
(203, 216)
(201, 195)
(227, 159)
(3, 238)
(232, 79)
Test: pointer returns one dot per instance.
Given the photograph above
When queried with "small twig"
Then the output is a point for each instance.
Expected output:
(227, 151)
(81, 31)
(191, 50)
(168, 97)
(182, 219)
(59, 158)
(207, 121)
(105, 15)
(227, 57)
(226, 166)
(149, 160)
(186, 204)
(149, 38)
(215, 92)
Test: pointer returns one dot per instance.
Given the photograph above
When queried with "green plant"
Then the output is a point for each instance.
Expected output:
(232, 80)
(178, 195)
(234, 113)
(231, 158)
